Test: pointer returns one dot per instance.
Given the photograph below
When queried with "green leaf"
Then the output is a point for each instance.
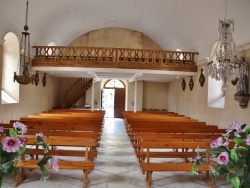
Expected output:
(231, 164)
(21, 151)
(243, 135)
(238, 140)
(247, 130)
(216, 151)
(221, 169)
(246, 186)
(7, 167)
(241, 148)
(241, 163)
(240, 172)
(12, 133)
(42, 162)
(229, 176)
(243, 126)
(194, 169)
(235, 181)
(1, 148)
(234, 155)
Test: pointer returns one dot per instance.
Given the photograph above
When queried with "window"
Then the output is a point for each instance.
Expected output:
(216, 98)
(114, 84)
(51, 44)
(10, 89)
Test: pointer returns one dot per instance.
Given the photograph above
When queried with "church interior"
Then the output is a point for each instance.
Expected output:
(118, 59)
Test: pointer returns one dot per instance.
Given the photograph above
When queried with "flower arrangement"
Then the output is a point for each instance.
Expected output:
(231, 161)
(13, 147)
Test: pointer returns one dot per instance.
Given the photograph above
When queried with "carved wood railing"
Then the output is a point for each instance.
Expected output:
(114, 58)
(78, 89)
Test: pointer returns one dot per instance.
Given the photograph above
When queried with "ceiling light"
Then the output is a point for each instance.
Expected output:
(24, 56)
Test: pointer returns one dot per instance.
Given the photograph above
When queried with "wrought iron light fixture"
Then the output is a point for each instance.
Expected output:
(24, 61)
(225, 63)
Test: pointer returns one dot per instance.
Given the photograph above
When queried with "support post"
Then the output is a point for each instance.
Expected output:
(135, 96)
(93, 95)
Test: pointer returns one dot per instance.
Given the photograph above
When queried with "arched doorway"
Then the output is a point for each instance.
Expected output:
(113, 98)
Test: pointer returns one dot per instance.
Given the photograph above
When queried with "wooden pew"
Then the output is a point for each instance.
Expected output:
(49, 124)
(85, 164)
(175, 129)
(155, 137)
(64, 132)
(161, 124)
(149, 167)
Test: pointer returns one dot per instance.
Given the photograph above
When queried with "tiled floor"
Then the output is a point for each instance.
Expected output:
(116, 167)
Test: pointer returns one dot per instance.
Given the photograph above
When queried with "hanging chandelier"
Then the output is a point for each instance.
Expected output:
(225, 63)
(24, 62)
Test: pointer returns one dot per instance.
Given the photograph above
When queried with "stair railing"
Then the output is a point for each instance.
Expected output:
(76, 91)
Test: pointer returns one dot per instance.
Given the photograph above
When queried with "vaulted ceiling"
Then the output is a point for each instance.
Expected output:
(189, 25)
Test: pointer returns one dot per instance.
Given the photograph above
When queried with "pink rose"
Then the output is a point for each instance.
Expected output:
(237, 133)
(218, 142)
(53, 162)
(40, 137)
(197, 157)
(11, 144)
(20, 127)
(233, 126)
(223, 158)
(248, 141)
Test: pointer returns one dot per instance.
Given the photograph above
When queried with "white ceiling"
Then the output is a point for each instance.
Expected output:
(189, 25)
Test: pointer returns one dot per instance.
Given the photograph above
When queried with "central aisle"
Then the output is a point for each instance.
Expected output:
(116, 164)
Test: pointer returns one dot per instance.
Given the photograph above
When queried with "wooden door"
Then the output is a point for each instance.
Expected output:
(119, 102)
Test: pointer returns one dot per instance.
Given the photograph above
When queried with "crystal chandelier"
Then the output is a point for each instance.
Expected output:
(24, 61)
(225, 64)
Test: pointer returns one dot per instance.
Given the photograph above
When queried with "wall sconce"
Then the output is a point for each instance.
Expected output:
(183, 84)
(36, 78)
(191, 83)
(202, 78)
(44, 80)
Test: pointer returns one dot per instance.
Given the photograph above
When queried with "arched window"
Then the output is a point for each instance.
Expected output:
(51, 44)
(114, 84)
(10, 89)
(216, 97)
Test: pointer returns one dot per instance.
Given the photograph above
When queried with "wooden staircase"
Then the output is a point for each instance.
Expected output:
(76, 91)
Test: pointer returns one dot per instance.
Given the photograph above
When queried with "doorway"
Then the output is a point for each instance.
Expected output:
(113, 98)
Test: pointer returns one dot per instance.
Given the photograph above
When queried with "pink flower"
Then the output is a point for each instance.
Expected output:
(233, 126)
(237, 133)
(197, 157)
(1, 129)
(24, 140)
(248, 141)
(53, 162)
(40, 137)
(218, 142)
(11, 144)
(20, 127)
(223, 158)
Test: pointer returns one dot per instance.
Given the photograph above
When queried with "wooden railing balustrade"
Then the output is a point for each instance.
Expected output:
(114, 58)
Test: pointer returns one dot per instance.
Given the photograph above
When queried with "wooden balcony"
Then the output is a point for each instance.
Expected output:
(92, 57)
